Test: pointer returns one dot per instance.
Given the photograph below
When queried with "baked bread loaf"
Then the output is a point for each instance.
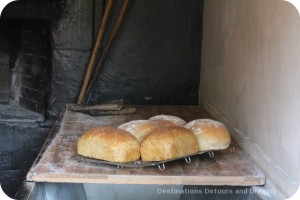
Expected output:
(139, 128)
(210, 134)
(175, 120)
(168, 143)
(110, 144)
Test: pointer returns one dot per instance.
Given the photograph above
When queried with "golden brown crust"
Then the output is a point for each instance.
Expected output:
(210, 134)
(110, 144)
(168, 143)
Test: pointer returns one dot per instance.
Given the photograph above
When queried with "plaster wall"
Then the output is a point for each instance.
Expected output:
(250, 73)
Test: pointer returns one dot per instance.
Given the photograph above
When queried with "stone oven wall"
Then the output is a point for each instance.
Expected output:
(33, 66)
(154, 59)
(5, 75)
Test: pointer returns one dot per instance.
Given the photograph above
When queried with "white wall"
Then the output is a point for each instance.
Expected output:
(250, 80)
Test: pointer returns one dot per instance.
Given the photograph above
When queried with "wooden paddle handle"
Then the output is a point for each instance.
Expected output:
(96, 47)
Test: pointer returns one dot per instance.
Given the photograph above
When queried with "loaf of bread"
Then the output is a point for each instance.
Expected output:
(210, 134)
(175, 120)
(110, 144)
(168, 143)
(139, 128)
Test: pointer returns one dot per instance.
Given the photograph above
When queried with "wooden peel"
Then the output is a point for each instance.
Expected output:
(96, 47)
(112, 35)
(123, 111)
(114, 107)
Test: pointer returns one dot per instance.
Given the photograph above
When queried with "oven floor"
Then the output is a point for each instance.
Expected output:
(12, 112)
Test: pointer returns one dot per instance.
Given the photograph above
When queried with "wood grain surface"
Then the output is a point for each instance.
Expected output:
(56, 162)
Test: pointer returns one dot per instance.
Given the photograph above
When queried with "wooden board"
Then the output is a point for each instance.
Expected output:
(56, 162)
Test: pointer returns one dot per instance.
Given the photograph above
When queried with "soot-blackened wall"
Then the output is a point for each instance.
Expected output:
(156, 54)
(154, 59)
(34, 65)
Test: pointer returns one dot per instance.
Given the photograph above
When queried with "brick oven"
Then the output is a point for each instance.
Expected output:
(9, 48)
(5, 76)
(233, 61)
(25, 63)
(45, 46)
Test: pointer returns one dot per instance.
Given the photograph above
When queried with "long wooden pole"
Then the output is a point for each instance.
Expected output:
(96, 47)
(112, 35)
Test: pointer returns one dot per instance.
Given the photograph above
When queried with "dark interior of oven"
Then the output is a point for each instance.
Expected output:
(155, 59)
(45, 46)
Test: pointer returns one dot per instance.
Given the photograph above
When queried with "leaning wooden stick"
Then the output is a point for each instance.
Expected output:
(96, 47)
(112, 35)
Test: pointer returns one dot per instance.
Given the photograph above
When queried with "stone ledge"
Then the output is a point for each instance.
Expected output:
(12, 112)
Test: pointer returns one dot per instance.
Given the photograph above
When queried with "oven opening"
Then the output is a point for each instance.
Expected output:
(25, 66)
